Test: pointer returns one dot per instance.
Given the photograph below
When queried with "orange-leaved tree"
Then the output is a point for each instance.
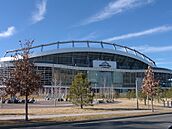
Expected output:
(150, 85)
(23, 77)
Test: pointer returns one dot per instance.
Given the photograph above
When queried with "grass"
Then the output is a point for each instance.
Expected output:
(120, 105)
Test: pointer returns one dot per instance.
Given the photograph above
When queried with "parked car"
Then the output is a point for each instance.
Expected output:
(47, 98)
(110, 101)
(95, 102)
(22, 101)
(101, 101)
(32, 100)
(13, 100)
(17, 100)
(29, 100)
(60, 99)
(7, 101)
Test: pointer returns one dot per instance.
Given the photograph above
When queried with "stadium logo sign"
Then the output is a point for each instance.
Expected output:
(105, 65)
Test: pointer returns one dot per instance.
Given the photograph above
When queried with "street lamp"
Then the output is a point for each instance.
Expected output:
(137, 93)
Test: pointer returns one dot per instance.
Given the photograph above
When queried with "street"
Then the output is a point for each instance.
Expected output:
(148, 122)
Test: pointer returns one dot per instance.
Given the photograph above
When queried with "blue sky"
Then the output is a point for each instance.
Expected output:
(145, 25)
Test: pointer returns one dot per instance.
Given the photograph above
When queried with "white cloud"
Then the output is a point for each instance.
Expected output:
(114, 8)
(90, 36)
(157, 50)
(9, 32)
(39, 14)
(153, 49)
(141, 33)
(165, 62)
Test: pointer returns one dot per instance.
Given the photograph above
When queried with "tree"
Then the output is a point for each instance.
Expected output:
(167, 93)
(116, 95)
(2, 96)
(128, 95)
(131, 94)
(150, 85)
(158, 93)
(23, 77)
(80, 93)
(142, 96)
(2, 92)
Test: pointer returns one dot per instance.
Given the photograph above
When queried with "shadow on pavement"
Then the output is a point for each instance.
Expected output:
(125, 125)
(116, 109)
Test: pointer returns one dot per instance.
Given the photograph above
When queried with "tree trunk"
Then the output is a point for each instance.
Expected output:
(158, 99)
(26, 107)
(152, 104)
(144, 101)
(81, 102)
(148, 101)
(81, 106)
(1, 102)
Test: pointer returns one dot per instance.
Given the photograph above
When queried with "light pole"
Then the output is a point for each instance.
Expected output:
(104, 87)
(60, 86)
(96, 91)
(95, 85)
(137, 93)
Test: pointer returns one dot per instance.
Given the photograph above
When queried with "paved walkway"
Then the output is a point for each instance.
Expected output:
(18, 117)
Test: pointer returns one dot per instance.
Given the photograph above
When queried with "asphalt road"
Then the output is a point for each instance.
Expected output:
(148, 122)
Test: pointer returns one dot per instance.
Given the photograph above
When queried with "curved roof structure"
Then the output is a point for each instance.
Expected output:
(86, 46)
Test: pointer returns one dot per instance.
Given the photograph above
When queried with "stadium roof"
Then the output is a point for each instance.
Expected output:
(81, 45)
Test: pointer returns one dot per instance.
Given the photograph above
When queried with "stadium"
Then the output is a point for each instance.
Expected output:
(110, 67)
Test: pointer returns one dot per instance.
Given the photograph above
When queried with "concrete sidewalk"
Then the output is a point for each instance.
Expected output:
(19, 117)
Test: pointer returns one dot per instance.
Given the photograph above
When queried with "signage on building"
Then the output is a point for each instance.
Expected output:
(104, 64)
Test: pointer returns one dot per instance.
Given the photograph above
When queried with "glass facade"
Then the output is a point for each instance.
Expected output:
(100, 79)
(58, 71)
(85, 59)
(122, 77)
